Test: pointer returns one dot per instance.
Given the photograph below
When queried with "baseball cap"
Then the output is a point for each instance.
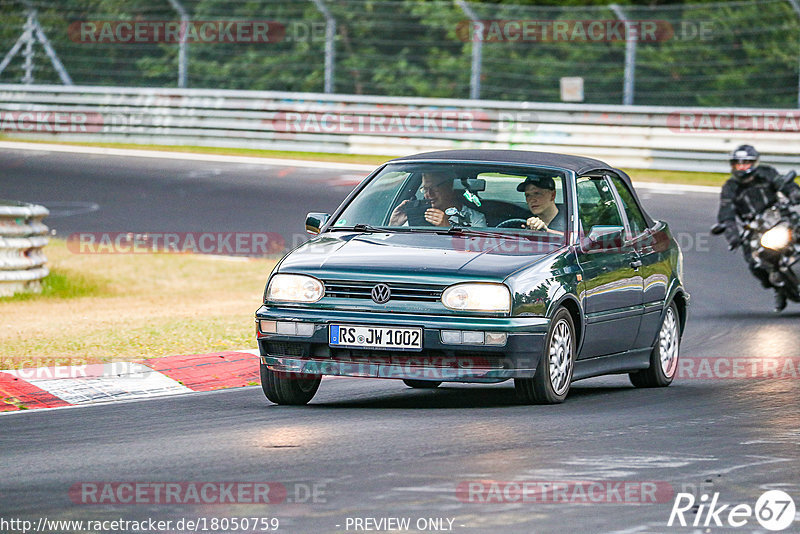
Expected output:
(542, 182)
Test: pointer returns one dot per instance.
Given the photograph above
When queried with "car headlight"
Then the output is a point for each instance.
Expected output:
(294, 288)
(484, 297)
(777, 237)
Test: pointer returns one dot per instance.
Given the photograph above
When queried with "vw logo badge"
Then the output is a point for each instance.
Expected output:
(381, 293)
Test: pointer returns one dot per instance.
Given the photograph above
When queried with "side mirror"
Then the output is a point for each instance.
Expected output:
(605, 237)
(717, 229)
(315, 222)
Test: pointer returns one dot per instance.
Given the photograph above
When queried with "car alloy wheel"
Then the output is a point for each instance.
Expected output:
(665, 354)
(668, 342)
(561, 357)
(550, 384)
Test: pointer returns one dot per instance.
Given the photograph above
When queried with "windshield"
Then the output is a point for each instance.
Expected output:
(483, 197)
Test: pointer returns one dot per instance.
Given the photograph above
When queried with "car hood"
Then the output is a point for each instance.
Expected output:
(403, 254)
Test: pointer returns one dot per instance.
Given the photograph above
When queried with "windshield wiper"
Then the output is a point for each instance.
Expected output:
(457, 230)
(454, 230)
(368, 228)
(365, 228)
(531, 235)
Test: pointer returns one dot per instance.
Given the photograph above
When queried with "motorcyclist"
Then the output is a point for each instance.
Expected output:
(751, 189)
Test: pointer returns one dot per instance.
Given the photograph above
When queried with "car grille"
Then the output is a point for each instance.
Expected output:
(285, 349)
(355, 289)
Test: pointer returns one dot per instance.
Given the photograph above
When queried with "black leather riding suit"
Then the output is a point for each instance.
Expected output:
(744, 200)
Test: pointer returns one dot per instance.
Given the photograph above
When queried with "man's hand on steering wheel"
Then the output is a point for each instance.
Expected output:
(535, 223)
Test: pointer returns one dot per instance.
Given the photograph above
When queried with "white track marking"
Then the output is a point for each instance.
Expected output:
(105, 382)
(190, 156)
(219, 158)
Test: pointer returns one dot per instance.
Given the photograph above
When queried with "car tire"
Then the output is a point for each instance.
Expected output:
(664, 357)
(288, 388)
(550, 384)
(422, 384)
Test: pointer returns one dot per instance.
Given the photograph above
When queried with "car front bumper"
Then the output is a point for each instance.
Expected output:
(437, 361)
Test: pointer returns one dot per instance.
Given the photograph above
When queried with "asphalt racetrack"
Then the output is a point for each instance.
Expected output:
(374, 449)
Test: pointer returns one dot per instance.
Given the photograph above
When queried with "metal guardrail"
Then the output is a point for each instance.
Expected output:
(22, 238)
(646, 137)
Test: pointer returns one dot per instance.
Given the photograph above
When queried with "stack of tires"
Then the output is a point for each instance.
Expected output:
(23, 235)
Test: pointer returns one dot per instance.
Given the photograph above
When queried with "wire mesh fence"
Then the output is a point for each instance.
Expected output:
(711, 54)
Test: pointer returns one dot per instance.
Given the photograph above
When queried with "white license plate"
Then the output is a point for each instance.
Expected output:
(375, 337)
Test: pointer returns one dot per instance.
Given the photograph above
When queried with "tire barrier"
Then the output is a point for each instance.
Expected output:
(23, 235)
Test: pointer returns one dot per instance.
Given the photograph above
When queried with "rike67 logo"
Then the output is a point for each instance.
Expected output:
(774, 510)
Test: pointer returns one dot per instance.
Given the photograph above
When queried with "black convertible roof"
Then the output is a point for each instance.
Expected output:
(578, 164)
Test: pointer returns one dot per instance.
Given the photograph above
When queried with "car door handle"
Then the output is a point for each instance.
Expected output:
(635, 264)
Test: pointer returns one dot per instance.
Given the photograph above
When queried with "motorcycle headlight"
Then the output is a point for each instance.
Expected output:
(294, 288)
(484, 297)
(776, 238)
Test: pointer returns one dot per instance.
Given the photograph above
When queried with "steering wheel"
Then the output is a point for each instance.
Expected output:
(513, 223)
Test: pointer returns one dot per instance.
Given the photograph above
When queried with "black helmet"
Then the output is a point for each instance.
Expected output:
(744, 154)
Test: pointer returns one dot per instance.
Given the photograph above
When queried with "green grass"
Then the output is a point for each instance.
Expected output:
(678, 177)
(65, 284)
(129, 306)
(146, 338)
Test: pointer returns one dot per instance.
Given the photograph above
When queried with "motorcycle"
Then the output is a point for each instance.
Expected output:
(773, 237)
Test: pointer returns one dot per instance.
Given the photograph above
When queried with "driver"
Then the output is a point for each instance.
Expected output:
(438, 188)
(540, 195)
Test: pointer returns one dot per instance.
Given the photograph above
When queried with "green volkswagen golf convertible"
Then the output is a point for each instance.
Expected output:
(477, 266)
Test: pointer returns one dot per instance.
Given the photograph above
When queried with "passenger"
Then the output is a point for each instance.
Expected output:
(438, 189)
(540, 195)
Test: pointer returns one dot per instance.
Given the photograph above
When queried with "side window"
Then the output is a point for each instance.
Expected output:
(634, 214)
(502, 200)
(596, 203)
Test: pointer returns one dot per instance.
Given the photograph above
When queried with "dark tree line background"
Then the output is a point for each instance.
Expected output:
(743, 53)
